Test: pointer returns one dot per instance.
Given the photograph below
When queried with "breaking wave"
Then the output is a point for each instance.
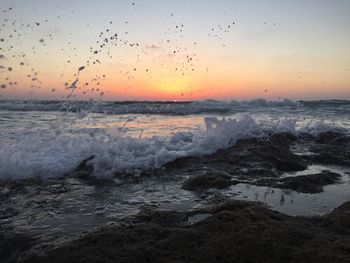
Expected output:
(117, 153)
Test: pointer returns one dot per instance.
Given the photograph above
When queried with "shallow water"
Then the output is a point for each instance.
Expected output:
(295, 203)
(64, 209)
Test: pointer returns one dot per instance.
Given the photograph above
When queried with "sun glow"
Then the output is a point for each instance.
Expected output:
(220, 56)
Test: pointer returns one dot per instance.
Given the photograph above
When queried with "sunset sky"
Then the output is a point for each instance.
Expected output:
(175, 50)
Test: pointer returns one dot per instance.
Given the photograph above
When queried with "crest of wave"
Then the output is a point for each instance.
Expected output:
(117, 153)
(122, 154)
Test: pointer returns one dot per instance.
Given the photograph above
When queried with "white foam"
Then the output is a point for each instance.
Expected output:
(117, 153)
(318, 127)
(122, 154)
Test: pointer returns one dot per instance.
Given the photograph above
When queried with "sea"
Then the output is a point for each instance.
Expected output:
(50, 138)
(47, 140)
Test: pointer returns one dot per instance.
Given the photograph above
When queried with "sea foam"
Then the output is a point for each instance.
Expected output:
(116, 152)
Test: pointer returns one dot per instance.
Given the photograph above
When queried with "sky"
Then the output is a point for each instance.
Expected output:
(174, 50)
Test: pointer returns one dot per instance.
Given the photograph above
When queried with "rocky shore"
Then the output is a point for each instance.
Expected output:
(264, 161)
(218, 228)
(233, 231)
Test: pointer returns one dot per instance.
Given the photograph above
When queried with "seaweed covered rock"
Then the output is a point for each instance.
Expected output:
(311, 183)
(206, 181)
(236, 231)
(332, 148)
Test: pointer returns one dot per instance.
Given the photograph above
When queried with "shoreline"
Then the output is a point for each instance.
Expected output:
(188, 211)
(232, 231)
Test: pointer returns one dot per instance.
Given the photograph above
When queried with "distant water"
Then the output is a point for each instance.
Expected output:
(50, 138)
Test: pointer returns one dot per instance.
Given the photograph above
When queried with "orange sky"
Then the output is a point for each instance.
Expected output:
(162, 51)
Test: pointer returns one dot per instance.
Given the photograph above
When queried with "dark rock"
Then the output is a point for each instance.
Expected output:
(206, 181)
(13, 246)
(282, 158)
(312, 183)
(330, 156)
(248, 159)
(284, 138)
(159, 217)
(332, 148)
(235, 232)
(84, 169)
(331, 138)
(277, 151)
(7, 212)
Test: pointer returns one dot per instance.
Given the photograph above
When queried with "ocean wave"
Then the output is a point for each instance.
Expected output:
(146, 107)
(116, 153)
